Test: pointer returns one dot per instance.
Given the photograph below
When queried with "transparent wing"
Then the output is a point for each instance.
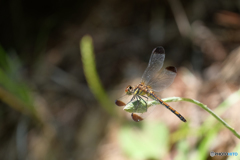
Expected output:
(163, 79)
(154, 65)
(137, 117)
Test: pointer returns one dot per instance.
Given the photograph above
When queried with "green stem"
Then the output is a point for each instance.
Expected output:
(90, 71)
(131, 106)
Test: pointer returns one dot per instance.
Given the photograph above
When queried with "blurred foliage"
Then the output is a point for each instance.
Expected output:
(183, 149)
(89, 67)
(13, 90)
(145, 141)
(40, 55)
(207, 129)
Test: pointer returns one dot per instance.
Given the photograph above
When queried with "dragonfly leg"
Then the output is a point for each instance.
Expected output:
(143, 100)
(146, 97)
(138, 99)
(132, 99)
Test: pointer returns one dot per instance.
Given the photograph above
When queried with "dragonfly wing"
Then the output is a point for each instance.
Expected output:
(154, 65)
(163, 79)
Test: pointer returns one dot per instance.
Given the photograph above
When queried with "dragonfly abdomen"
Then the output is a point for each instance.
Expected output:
(154, 97)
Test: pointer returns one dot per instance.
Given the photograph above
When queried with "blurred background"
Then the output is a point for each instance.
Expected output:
(49, 109)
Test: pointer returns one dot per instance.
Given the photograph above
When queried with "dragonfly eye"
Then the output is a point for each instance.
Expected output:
(129, 89)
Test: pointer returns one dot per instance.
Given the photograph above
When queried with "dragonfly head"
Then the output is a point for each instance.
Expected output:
(129, 90)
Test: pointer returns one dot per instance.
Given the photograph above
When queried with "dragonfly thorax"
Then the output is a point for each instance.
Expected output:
(129, 90)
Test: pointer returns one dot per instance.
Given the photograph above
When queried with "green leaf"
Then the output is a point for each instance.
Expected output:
(13, 91)
(149, 142)
(138, 106)
(183, 150)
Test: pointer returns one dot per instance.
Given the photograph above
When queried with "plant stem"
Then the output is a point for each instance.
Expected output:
(90, 71)
(177, 99)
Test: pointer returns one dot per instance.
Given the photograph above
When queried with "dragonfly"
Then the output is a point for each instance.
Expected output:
(152, 81)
